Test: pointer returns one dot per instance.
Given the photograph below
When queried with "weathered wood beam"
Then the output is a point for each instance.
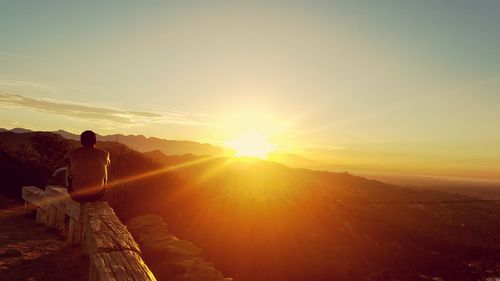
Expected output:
(113, 252)
(103, 230)
(119, 266)
(35, 196)
(62, 201)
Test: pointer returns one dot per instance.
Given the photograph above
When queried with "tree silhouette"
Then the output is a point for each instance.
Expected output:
(51, 149)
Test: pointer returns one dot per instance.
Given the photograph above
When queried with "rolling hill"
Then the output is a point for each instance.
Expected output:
(145, 144)
(260, 220)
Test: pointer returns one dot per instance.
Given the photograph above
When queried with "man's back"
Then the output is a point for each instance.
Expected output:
(88, 168)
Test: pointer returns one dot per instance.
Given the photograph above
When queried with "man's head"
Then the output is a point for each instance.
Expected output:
(88, 138)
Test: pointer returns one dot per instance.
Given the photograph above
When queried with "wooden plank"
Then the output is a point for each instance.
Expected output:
(100, 270)
(133, 266)
(60, 217)
(118, 264)
(41, 216)
(99, 208)
(58, 196)
(61, 199)
(137, 267)
(100, 243)
(97, 239)
(69, 240)
(113, 251)
(51, 217)
(77, 232)
(105, 240)
(35, 196)
(74, 232)
(103, 230)
(73, 209)
(120, 234)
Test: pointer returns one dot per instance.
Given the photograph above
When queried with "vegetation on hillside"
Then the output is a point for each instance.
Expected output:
(258, 220)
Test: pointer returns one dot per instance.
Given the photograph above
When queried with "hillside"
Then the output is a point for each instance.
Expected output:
(29, 252)
(156, 147)
(260, 220)
(330, 225)
(145, 144)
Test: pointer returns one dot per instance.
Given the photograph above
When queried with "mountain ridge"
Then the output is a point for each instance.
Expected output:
(305, 224)
(142, 143)
(146, 145)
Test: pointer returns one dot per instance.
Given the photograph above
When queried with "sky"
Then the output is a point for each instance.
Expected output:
(390, 86)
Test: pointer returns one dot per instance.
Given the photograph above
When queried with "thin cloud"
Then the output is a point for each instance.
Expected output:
(95, 113)
(26, 84)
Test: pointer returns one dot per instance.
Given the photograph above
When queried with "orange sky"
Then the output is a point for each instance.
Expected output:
(348, 86)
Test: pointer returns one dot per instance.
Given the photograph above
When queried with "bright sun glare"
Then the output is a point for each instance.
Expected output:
(251, 132)
(251, 145)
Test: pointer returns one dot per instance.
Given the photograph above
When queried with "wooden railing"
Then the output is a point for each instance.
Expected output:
(113, 253)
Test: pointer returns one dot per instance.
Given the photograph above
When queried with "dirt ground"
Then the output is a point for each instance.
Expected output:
(30, 252)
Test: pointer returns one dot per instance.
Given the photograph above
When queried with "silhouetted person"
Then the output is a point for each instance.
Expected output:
(87, 170)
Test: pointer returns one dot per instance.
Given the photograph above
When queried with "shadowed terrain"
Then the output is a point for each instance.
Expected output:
(29, 252)
(259, 220)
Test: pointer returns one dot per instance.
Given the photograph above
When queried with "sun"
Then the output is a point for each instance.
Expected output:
(251, 131)
(251, 145)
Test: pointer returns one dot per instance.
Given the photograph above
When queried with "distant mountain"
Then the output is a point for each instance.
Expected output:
(168, 147)
(20, 130)
(168, 160)
(144, 144)
(151, 146)
(293, 160)
(68, 135)
(11, 139)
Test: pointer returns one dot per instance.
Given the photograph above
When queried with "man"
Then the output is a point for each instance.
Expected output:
(87, 170)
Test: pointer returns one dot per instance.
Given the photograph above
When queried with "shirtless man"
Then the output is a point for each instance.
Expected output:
(87, 170)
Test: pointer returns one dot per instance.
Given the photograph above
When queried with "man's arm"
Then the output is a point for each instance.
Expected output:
(67, 161)
(107, 161)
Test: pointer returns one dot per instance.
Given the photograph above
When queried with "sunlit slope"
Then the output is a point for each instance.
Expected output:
(261, 220)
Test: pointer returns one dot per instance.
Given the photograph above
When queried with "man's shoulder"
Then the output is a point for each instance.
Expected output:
(82, 150)
(74, 151)
(102, 151)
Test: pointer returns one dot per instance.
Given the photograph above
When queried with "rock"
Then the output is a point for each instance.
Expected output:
(176, 266)
(172, 258)
(149, 229)
(151, 237)
(186, 264)
(207, 273)
(148, 222)
(170, 247)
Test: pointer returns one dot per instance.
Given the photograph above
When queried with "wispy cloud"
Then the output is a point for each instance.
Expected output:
(25, 84)
(11, 124)
(97, 113)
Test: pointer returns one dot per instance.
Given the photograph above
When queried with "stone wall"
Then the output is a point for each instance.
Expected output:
(169, 257)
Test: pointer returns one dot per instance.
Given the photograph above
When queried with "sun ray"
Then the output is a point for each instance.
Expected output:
(214, 170)
(251, 145)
